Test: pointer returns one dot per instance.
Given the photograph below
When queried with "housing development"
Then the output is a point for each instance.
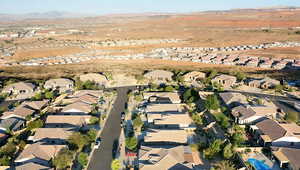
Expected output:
(214, 90)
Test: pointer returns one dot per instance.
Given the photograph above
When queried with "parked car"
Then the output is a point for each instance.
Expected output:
(97, 143)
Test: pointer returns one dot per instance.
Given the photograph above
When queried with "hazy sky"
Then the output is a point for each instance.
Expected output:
(134, 6)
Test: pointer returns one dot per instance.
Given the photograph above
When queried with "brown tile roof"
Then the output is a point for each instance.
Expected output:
(76, 120)
(38, 150)
(271, 128)
(37, 105)
(84, 107)
(52, 133)
(32, 166)
(289, 154)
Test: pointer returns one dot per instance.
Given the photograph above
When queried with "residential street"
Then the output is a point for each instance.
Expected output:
(102, 157)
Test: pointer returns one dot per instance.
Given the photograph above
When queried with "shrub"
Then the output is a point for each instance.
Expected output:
(35, 124)
(63, 159)
(94, 120)
(115, 164)
(92, 134)
(137, 122)
(78, 141)
(82, 158)
(212, 102)
(169, 89)
(131, 143)
(292, 117)
(227, 151)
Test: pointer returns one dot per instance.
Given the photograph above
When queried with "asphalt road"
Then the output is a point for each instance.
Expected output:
(102, 157)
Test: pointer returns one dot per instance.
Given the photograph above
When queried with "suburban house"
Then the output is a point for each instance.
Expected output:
(20, 111)
(19, 88)
(265, 83)
(171, 121)
(232, 99)
(95, 93)
(77, 108)
(61, 84)
(194, 76)
(225, 80)
(32, 166)
(36, 105)
(13, 124)
(252, 114)
(164, 108)
(51, 135)
(271, 133)
(158, 158)
(99, 79)
(67, 121)
(288, 158)
(162, 136)
(38, 153)
(162, 97)
(159, 75)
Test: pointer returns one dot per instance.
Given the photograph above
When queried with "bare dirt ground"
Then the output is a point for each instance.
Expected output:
(134, 67)
(207, 29)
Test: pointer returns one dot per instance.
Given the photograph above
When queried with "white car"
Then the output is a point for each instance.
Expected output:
(97, 143)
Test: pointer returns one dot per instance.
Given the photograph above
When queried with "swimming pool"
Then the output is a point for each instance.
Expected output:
(258, 165)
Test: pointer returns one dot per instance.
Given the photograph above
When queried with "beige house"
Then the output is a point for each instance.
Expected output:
(159, 75)
(252, 114)
(95, 93)
(51, 135)
(168, 97)
(265, 83)
(20, 112)
(288, 158)
(32, 166)
(171, 121)
(271, 133)
(94, 77)
(38, 153)
(225, 80)
(194, 76)
(164, 108)
(36, 105)
(233, 98)
(61, 84)
(67, 121)
(155, 136)
(158, 158)
(77, 108)
(19, 88)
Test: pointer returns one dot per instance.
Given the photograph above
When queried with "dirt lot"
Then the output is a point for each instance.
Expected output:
(208, 29)
(133, 67)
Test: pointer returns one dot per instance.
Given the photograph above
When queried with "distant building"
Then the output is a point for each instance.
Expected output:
(19, 88)
(194, 76)
(225, 80)
(159, 75)
(61, 84)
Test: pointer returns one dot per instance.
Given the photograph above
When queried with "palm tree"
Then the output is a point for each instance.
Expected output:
(224, 165)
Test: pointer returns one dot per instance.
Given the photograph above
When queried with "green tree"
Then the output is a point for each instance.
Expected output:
(137, 122)
(212, 102)
(115, 164)
(292, 117)
(63, 159)
(131, 143)
(92, 134)
(49, 95)
(35, 124)
(197, 119)
(213, 149)
(227, 151)
(212, 73)
(38, 96)
(5, 160)
(78, 141)
(169, 89)
(8, 149)
(190, 95)
(82, 158)
(240, 76)
(94, 120)
(224, 165)
(279, 88)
